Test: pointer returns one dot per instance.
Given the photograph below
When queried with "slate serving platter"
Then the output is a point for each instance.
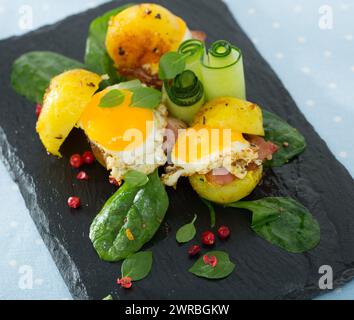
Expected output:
(263, 271)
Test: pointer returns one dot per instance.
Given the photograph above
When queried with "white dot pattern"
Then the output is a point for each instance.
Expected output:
(316, 66)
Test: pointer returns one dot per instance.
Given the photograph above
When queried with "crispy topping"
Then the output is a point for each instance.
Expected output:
(121, 51)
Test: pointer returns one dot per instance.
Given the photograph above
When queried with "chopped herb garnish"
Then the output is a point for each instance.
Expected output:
(144, 97)
(171, 64)
(211, 211)
(111, 99)
(129, 84)
(187, 232)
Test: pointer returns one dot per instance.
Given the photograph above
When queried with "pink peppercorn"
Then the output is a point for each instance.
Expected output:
(208, 238)
(82, 175)
(74, 202)
(223, 232)
(38, 109)
(194, 250)
(88, 157)
(76, 161)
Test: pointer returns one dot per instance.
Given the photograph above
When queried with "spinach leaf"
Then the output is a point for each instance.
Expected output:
(223, 268)
(171, 64)
(96, 56)
(129, 219)
(144, 97)
(33, 71)
(212, 212)
(111, 99)
(187, 232)
(283, 222)
(137, 266)
(136, 179)
(288, 139)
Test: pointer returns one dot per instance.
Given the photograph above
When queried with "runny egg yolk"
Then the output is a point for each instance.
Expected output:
(119, 128)
(201, 142)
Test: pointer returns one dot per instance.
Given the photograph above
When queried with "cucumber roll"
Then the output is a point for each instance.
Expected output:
(184, 96)
(222, 71)
(193, 50)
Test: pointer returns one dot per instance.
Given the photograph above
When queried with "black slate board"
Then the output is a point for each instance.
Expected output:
(263, 271)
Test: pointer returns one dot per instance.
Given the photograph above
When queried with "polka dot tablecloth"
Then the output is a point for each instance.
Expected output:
(309, 44)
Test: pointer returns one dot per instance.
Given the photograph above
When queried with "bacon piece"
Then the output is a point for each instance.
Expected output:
(265, 148)
(252, 166)
(220, 176)
(153, 80)
(171, 133)
(198, 35)
(143, 76)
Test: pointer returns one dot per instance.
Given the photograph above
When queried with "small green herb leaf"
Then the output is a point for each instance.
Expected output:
(212, 212)
(144, 97)
(171, 64)
(112, 98)
(136, 179)
(187, 232)
(129, 84)
(289, 140)
(137, 266)
(223, 268)
(109, 297)
(283, 222)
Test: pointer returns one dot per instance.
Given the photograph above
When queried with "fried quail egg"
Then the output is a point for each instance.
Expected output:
(200, 149)
(129, 138)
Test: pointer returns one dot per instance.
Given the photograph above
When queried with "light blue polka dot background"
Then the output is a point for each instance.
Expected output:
(311, 50)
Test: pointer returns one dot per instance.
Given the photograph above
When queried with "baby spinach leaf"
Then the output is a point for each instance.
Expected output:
(96, 56)
(144, 97)
(33, 71)
(137, 266)
(112, 98)
(283, 222)
(171, 64)
(187, 232)
(223, 268)
(129, 219)
(212, 212)
(288, 139)
(136, 179)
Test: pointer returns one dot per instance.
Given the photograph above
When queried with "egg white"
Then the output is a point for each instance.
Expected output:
(234, 159)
